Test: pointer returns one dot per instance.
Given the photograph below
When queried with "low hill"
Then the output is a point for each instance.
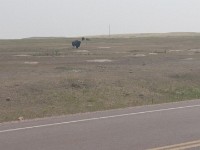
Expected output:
(170, 34)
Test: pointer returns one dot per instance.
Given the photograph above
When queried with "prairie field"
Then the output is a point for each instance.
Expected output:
(47, 77)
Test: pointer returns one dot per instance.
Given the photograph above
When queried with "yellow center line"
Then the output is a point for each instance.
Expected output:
(181, 146)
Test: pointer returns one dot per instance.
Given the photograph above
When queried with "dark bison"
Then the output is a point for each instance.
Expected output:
(76, 43)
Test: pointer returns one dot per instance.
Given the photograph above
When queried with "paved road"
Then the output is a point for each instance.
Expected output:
(167, 126)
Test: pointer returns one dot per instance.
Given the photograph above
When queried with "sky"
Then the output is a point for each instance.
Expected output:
(68, 18)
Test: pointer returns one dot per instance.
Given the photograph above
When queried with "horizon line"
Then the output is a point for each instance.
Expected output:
(105, 35)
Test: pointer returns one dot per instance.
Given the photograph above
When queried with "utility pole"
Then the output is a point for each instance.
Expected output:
(109, 30)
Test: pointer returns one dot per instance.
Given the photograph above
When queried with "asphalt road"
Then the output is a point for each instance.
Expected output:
(170, 126)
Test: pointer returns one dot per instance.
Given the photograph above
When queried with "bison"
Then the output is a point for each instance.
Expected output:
(76, 43)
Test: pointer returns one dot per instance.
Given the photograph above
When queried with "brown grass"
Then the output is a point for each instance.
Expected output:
(64, 82)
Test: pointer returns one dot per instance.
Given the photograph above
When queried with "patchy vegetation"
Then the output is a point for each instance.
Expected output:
(61, 80)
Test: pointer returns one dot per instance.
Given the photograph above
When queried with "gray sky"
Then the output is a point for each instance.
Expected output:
(28, 18)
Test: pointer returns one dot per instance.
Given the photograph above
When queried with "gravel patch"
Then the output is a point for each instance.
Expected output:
(100, 60)
(104, 47)
(31, 62)
(23, 55)
(153, 53)
(194, 50)
(188, 59)
(139, 55)
(175, 50)
(81, 51)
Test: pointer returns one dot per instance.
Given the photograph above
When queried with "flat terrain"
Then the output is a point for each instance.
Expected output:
(175, 125)
(47, 77)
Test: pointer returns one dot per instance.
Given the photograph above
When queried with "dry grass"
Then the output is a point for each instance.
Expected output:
(144, 70)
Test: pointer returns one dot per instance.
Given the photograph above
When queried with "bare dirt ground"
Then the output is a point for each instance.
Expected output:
(47, 77)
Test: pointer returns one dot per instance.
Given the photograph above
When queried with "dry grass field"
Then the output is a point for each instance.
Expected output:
(47, 77)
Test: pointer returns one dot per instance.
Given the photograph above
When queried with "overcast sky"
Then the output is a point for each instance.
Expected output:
(29, 18)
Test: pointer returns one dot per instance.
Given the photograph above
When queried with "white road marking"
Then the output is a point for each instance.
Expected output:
(180, 146)
(99, 118)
